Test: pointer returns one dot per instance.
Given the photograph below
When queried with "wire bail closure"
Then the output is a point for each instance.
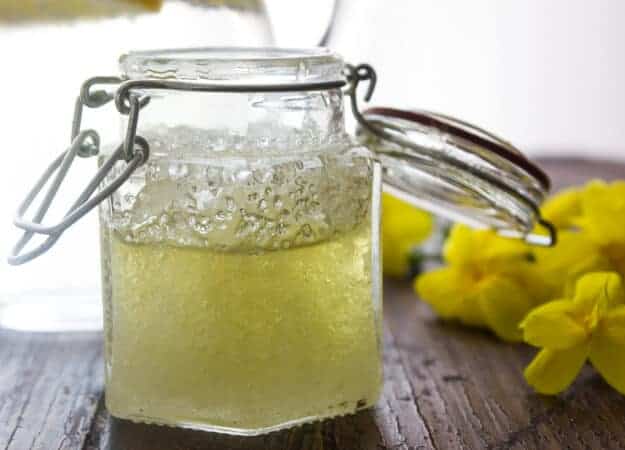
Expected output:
(134, 151)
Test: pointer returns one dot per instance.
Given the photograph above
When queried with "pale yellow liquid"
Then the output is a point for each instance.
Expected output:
(242, 342)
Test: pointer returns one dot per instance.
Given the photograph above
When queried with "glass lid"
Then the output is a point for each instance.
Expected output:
(459, 171)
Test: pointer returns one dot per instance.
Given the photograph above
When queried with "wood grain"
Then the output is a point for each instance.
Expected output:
(446, 387)
(49, 389)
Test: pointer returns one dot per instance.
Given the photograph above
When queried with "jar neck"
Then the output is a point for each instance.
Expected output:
(244, 123)
(278, 120)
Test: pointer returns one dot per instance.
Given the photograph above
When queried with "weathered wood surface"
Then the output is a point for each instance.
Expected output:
(49, 389)
(446, 388)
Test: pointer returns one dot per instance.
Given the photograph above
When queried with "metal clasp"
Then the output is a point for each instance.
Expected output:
(134, 151)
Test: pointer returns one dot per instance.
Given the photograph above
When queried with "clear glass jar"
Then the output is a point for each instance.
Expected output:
(241, 265)
(92, 35)
(240, 230)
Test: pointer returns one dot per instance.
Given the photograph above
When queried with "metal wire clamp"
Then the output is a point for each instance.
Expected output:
(134, 151)
(129, 98)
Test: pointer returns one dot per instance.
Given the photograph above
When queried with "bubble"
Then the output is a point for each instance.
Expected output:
(202, 229)
(178, 170)
(152, 171)
(281, 228)
(125, 218)
(306, 231)
(243, 176)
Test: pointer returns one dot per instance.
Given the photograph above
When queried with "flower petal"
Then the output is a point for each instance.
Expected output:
(395, 256)
(552, 326)
(613, 324)
(596, 262)
(603, 209)
(539, 286)
(504, 304)
(459, 246)
(552, 371)
(403, 228)
(444, 289)
(563, 208)
(571, 248)
(470, 313)
(403, 221)
(607, 351)
(598, 289)
(467, 246)
(615, 254)
(560, 266)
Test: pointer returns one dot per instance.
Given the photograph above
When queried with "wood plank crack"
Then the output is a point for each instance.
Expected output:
(420, 433)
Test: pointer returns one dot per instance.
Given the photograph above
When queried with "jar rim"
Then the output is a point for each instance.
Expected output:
(235, 64)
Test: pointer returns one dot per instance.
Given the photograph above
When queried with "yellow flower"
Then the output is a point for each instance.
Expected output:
(403, 228)
(591, 325)
(489, 281)
(591, 221)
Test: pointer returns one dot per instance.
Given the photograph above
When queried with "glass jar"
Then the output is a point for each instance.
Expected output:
(240, 230)
(240, 263)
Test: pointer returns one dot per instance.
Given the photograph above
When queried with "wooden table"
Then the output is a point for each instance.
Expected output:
(446, 387)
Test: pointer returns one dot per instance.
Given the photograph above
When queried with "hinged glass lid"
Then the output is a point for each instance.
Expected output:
(455, 169)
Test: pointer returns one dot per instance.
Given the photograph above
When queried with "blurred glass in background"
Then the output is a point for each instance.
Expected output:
(48, 48)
